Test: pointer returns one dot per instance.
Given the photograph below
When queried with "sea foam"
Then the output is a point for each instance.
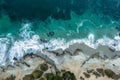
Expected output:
(30, 43)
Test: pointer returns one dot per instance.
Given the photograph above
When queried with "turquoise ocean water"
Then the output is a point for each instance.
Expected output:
(32, 25)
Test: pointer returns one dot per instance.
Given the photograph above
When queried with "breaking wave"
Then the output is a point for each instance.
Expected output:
(29, 42)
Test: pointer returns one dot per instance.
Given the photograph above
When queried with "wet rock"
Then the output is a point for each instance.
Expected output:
(105, 57)
(28, 77)
(86, 75)
(10, 78)
(44, 67)
(58, 52)
(46, 48)
(101, 71)
(68, 76)
(15, 59)
(25, 64)
(112, 49)
(67, 51)
(37, 74)
(115, 56)
(43, 40)
(77, 51)
(95, 55)
(109, 73)
(28, 55)
(2, 68)
(91, 56)
(49, 76)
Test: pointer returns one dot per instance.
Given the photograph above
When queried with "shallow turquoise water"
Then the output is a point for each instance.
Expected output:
(66, 19)
(79, 26)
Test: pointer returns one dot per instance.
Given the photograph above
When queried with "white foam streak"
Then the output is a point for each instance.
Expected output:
(2, 52)
(61, 43)
(21, 48)
(57, 43)
(31, 44)
(26, 32)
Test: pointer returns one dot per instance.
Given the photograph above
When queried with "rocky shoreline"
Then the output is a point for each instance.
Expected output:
(78, 62)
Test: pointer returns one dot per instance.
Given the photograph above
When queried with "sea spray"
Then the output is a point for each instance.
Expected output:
(30, 43)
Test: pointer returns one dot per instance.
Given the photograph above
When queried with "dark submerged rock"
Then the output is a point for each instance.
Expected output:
(119, 34)
(43, 40)
(50, 34)
(118, 28)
